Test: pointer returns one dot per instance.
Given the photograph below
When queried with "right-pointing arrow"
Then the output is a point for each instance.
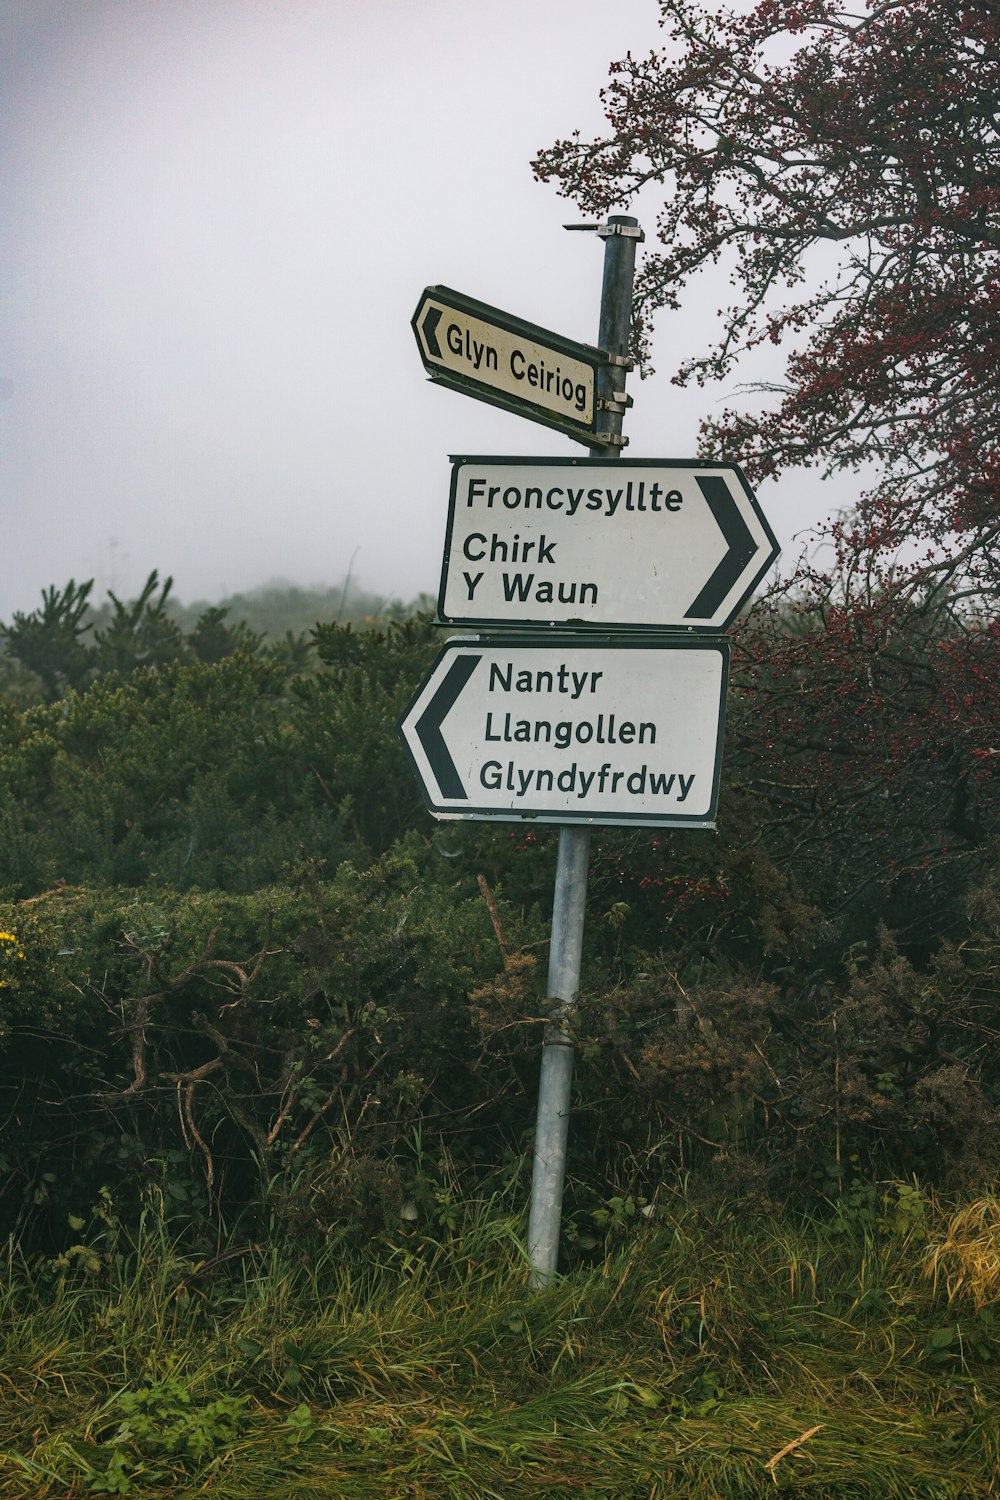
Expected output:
(739, 541)
(428, 727)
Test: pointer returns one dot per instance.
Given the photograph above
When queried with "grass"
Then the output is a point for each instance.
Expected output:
(711, 1356)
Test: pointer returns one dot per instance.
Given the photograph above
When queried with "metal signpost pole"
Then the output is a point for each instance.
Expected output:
(621, 235)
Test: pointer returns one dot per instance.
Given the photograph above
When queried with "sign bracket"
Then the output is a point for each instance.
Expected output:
(613, 226)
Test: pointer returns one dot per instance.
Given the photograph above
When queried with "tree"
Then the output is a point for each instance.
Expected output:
(842, 164)
(139, 633)
(214, 637)
(849, 156)
(49, 641)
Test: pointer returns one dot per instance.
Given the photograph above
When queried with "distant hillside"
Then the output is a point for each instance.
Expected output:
(277, 607)
(69, 642)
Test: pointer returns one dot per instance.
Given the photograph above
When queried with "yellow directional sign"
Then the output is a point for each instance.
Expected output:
(495, 357)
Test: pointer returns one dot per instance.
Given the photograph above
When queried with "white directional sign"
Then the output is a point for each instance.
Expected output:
(496, 357)
(577, 732)
(658, 544)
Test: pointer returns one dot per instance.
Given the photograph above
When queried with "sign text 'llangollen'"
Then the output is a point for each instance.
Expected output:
(571, 732)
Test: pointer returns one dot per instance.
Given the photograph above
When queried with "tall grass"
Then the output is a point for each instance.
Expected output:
(711, 1356)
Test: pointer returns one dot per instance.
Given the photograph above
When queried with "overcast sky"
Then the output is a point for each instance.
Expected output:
(217, 219)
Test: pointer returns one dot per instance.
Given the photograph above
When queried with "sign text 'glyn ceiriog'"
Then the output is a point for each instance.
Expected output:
(501, 359)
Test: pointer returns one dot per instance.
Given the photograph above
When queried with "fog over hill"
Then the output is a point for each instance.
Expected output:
(219, 219)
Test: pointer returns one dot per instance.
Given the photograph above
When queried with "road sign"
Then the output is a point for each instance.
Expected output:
(577, 732)
(495, 357)
(654, 544)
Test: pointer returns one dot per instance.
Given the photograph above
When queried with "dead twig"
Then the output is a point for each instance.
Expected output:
(491, 907)
(188, 1083)
(803, 1437)
(138, 1030)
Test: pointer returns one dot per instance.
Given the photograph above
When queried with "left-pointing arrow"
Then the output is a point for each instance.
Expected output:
(428, 727)
(429, 330)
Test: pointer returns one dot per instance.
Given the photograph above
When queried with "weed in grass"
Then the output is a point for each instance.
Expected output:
(968, 1257)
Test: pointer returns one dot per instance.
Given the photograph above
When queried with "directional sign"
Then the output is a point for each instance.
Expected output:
(495, 357)
(656, 544)
(578, 732)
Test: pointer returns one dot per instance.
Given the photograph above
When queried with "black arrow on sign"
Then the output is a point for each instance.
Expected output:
(428, 327)
(428, 727)
(739, 540)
